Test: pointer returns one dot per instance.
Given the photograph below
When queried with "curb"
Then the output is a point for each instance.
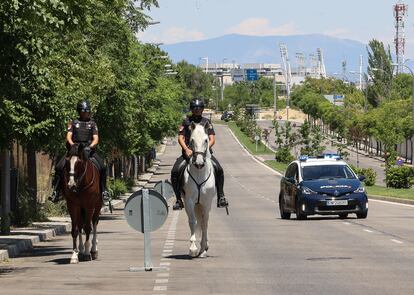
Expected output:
(391, 199)
(23, 239)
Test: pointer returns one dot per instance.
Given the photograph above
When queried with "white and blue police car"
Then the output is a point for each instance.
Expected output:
(323, 185)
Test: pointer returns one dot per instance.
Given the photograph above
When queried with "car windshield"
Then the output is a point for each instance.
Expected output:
(327, 172)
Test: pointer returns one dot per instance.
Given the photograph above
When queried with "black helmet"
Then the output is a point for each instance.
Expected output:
(197, 103)
(83, 106)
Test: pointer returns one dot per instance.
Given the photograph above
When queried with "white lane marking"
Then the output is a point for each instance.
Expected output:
(346, 223)
(160, 288)
(397, 241)
(391, 203)
(247, 152)
(165, 263)
(163, 274)
(368, 231)
(161, 281)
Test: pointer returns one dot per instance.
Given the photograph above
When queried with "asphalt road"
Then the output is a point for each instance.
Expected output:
(353, 158)
(252, 251)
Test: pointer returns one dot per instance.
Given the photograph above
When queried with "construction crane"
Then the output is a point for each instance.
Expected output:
(288, 74)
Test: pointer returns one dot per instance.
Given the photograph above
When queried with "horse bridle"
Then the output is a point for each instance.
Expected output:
(80, 179)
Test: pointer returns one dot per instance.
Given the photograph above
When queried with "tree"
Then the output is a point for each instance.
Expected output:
(381, 70)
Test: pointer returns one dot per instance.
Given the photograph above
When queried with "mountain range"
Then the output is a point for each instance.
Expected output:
(265, 49)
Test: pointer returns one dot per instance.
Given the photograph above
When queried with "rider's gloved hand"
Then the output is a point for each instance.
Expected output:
(188, 152)
(87, 151)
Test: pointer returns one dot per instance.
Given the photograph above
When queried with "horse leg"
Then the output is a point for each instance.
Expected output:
(94, 250)
(74, 216)
(81, 246)
(192, 223)
(204, 238)
(88, 229)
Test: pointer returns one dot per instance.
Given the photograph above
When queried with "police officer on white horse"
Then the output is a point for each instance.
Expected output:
(197, 108)
(84, 131)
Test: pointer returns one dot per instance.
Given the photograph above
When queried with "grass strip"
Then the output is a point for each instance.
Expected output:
(279, 167)
(400, 193)
(247, 143)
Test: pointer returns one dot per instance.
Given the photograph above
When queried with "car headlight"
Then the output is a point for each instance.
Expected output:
(361, 189)
(308, 191)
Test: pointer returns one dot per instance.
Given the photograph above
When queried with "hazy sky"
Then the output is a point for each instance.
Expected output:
(362, 20)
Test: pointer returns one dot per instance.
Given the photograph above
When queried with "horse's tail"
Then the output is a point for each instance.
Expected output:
(198, 210)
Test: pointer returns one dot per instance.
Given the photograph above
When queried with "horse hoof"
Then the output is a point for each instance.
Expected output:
(193, 253)
(203, 255)
(87, 257)
(94, 255)
(74, 261)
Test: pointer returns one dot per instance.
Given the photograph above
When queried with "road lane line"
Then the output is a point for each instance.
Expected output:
(397, 241)
(368, 231)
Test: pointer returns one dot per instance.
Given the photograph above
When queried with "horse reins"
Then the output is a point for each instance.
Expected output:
(199, 185)
(83, 176)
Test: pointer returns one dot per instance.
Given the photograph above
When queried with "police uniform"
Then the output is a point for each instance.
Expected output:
(82, 132)
(181, 162)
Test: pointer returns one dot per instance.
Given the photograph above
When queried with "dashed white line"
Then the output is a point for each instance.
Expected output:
(396, 241)
(368, 231)
(161, 281)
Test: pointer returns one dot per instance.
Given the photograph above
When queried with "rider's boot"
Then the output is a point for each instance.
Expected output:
(221, 199)
(55, 197)
(105, 193)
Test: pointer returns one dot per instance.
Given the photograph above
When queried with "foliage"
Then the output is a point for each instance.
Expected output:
(369, 173)
(284, 155)
(381, 70)
(117, 187)
(399, 177)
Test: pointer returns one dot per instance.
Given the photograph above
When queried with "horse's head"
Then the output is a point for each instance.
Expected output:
(199, 144)
(76, 158)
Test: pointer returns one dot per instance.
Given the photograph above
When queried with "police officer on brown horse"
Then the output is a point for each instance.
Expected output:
(197, 108)
(81, 131)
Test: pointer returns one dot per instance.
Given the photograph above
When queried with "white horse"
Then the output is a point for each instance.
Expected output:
(199, 188)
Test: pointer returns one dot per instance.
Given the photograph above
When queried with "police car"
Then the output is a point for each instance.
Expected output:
(323, 185)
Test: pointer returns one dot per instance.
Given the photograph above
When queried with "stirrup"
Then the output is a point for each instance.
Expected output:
(222, 202)
(105, 195)
(55, 197)
(179, 205)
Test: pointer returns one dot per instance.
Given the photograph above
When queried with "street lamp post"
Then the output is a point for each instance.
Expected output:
(155, 57)
(366, 87)
(274, 95)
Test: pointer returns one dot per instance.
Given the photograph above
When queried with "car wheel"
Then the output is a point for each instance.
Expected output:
(283, 213)
(343, 215)
(362, 215)
(299, 214)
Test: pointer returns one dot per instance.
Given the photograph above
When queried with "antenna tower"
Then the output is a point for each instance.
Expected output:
(400, 12)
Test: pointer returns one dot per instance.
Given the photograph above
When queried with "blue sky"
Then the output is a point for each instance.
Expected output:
(362, 20)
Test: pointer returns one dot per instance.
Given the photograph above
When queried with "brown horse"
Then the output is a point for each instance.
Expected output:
(83, 197)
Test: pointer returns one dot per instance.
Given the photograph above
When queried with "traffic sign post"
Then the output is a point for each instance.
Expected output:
(165, 188)
(256, 138)
(146, 211)
(251, 75)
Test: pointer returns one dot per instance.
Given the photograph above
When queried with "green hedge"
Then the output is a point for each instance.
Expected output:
(400, 177)
(117, 187)
(369, 173)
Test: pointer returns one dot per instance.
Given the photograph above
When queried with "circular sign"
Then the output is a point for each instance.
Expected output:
(157, 209)
(257, 138)
(167, 192)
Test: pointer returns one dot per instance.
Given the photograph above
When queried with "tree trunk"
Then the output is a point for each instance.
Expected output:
(5, 192)
(32, 176)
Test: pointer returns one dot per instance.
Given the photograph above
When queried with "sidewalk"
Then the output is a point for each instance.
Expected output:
(24, 239)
